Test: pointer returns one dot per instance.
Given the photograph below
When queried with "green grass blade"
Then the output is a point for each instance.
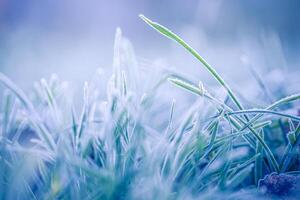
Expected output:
(166, 32)
(187, 86)
(282, 101)
(7, 109)
(84, 116)
(258, 160)
(262, 111)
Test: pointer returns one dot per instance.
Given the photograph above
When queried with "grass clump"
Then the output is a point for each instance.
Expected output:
(114, 150)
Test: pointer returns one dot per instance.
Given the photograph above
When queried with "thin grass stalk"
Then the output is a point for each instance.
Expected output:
(284, 100)
(258, 160)
(166, 32)
(251, 111)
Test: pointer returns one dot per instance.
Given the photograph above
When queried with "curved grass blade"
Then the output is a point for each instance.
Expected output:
(282, 101)
(168, 33)
(251, 111)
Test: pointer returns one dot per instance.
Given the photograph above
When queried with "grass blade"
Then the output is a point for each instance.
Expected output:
(187, 86)
(262, 111)
(168, 33)
(258, 160)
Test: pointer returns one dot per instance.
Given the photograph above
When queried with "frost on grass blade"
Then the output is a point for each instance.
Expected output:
(166, 32)
(187, 86)
(117, 58)
(17, 91)
(34, 117)
(124, 155)
(251, 111)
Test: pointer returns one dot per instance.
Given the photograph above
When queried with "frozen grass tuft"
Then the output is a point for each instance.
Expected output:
(112, 148)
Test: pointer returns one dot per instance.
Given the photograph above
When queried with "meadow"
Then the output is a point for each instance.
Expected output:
(128, 143)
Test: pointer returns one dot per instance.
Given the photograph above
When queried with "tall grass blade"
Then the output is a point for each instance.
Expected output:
(262, 111)
(166, 32)
(258, 161)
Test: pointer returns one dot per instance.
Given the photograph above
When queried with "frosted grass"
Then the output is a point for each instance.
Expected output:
(111, 148)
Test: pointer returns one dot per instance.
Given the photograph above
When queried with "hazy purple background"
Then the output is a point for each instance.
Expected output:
(73, 38)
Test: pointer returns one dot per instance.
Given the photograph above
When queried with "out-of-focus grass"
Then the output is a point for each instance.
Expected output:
(110, 148)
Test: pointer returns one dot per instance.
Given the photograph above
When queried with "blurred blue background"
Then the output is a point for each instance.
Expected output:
(73, 38)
